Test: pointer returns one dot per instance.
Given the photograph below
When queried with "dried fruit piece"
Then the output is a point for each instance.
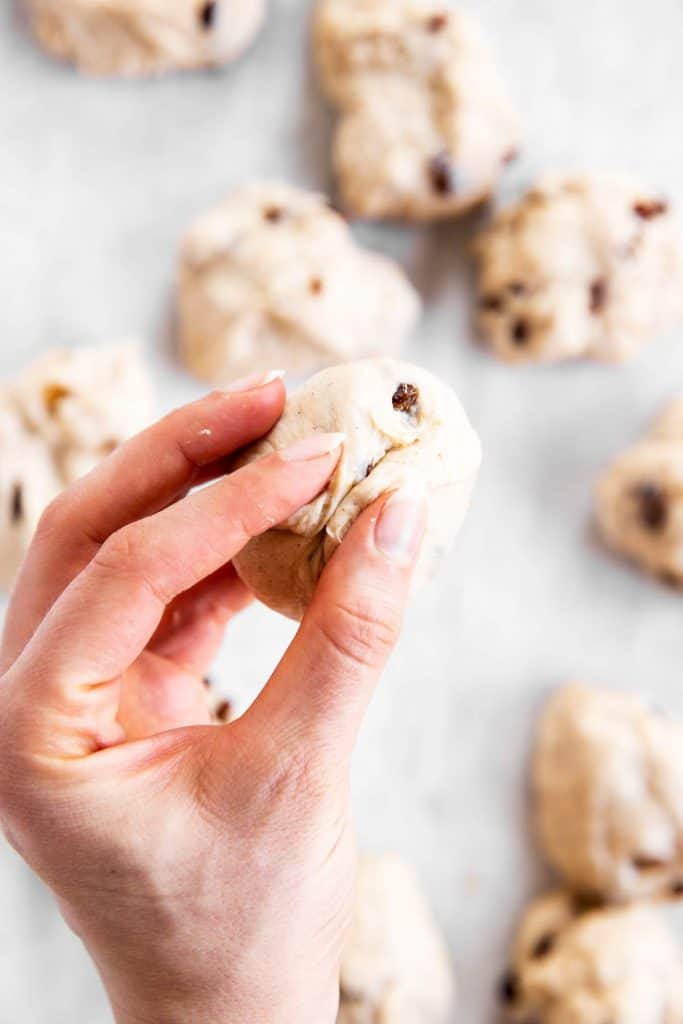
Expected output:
(598, 294)
(649, 208)
(491, 303)
(509, 988)
(645, 862)
(273, 214)
(207, 14)
(405, 398)
(316, 285)
(17, 511)
(521, 331)
(652, 506)
(437, 22)
(544, 946)
(442, 174)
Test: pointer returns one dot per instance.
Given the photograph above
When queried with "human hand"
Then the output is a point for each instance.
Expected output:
(208, 870)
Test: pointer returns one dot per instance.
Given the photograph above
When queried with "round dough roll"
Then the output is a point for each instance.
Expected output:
(402, 426)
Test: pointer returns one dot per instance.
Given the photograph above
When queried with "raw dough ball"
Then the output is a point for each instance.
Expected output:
(640, 500)
(273, 277)
(572, 965)
(583, 265)
(395, 968)
(402, 426)
(426, 125)
(608, 781)
(58, 419)
(145, 37)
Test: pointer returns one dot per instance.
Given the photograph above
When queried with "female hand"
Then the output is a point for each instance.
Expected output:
(208, 870)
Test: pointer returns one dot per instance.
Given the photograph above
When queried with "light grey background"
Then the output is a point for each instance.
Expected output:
(97, 183)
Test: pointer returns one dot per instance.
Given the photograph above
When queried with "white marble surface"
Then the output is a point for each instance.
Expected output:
(97, 182)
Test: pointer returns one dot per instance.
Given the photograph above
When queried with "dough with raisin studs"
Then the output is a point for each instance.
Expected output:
(273, 277)
(58, 419)
(572, 964)
(395, 967)
(426, 125)
(144, 37)
(608, 794)
(584, 265)
(640, 500)
(402, 426)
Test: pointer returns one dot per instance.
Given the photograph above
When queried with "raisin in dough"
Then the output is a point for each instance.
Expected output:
(395, 968)
(273, 277)
(640, 500)
(575, 965)
(426, 125)
(144, 37)
(58, 419)
(583, 266)
(401, 426)
(608, 786)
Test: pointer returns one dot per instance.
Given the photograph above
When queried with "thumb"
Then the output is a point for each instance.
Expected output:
(321, 688)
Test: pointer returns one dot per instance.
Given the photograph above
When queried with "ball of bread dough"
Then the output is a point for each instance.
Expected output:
(426, 125)
(58, 418)
(144, 37)
(574, 965)
(640, 500)
(402, 426)
(608, 787)
(395, 967)
(273, 277)
(585, 265)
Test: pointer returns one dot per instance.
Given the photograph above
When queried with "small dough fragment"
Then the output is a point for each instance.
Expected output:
(145, 37)
(584, 265)
(575, 965)
(402, 426)
(273, 277)
(395, 967)
(426, 124)
(608, 789)
(640, 500)
(58, 418)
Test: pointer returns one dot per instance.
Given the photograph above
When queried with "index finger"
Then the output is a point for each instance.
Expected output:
(144, 475)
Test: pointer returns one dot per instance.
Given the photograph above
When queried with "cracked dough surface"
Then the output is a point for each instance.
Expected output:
(426, 126)
(395, 967)
(575, 966)
(640, 499)
(58, 419)
(584, 265)
(144, 37)
(402, 426)
(274, 277)
(608, 790)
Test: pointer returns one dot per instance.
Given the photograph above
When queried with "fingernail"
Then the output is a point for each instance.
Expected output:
(401, 524)
(253, 381)
(312, 447)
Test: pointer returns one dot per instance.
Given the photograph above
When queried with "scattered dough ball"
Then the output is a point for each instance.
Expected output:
(583, 266)
(640, 500)
(395, 968)
(608, 787)
(426, 125)
(144, 37)
(58, 419)
(573, 965)
(273, 277)
(402, 426)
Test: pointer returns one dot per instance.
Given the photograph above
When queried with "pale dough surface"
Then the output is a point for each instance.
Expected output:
(608, 794)
(640, 499)
(572, 965)
(388, 445)
(395, 967)
(426, 126)
(58, 418)
(145, 37)
(584, 265)
(274, 277)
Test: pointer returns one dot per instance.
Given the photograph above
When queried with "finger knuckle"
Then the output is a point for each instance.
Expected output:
(362, 631)
(127, 554)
